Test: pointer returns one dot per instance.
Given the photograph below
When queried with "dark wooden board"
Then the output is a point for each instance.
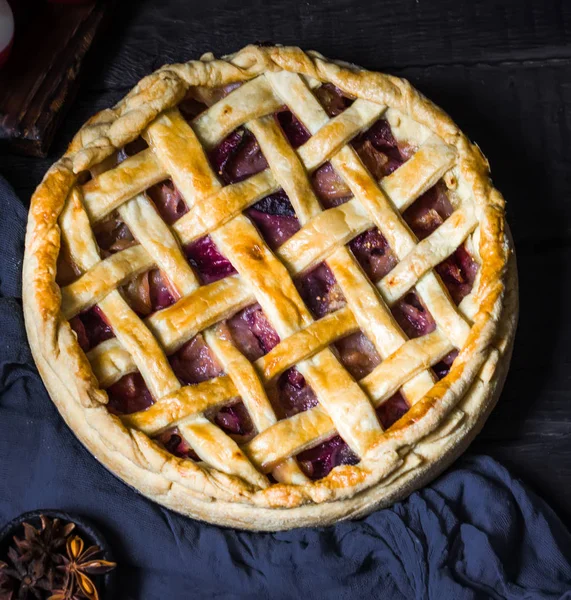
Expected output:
(40, 80)
(502, 70)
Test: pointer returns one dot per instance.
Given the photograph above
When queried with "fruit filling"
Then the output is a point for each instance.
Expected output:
(373, 253)
(252, 332)
(173, 441)
(168, 201)
(129, 395)
(357, 354)
(210, 264)
(318, 461)
(91, 328)
(320, 291)
(424, 216)
(113, 235)
(149, 292)
(413, 316)
(275, 218)
(195, 363)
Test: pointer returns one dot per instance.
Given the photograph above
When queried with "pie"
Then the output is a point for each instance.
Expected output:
(271, 290)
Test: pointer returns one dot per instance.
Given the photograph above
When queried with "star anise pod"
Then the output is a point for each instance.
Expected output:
(46, 542)
(6, 583)
(77, 567)
(31, 576)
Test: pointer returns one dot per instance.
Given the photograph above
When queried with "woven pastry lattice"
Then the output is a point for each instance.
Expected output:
(178, 149)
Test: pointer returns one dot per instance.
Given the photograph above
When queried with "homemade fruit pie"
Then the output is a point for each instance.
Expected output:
(271, 290)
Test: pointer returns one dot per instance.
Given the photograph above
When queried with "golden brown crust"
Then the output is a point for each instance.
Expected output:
(443, 418)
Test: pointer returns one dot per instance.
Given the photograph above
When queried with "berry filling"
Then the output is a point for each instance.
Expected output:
(235, 420)
(412, 316)
(113, 235)
(317, 462)
(176, 444)
(129, 395)
(237, 157)
(442, 368)
(91, 328)
(357, 354)
(194, 362)
(458, 273)
(320, 291)
(149, 292)
(293, 129)
(168, 201)
(67, 271)
(252, 332)
(332, 99)
(294, 393)
(373, 253)
(205, 257)
(379, 150)
(275, 218)
(429, 211)
(392, 410)
(329, 186)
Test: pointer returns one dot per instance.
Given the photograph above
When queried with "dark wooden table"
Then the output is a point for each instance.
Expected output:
(502, 72)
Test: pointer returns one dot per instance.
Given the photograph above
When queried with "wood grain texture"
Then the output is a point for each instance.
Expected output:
(502, 70)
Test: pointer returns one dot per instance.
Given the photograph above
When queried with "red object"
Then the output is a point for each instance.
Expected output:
(6, 31)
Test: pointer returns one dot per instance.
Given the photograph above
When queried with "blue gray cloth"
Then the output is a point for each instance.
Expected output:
(474, 533)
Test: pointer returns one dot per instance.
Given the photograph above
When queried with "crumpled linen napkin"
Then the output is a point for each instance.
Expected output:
(476, 532)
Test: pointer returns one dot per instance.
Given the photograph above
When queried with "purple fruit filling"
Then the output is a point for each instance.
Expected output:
(252, 332)
(237, 157)
(275, 218)
(392, 410)
(205, 257)
(413, 317)
(294, 394)
(173, 441)
(149, 292)
(373, 253)
(357, 354)
(129, 395)
(320, 291)
(168, 201)
(194, 362)
(91, 327)
(317, 462)
(295, 132)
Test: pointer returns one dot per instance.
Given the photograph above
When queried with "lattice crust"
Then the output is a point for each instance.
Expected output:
(65, 210)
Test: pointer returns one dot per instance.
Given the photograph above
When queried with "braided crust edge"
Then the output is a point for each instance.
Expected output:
(183, 485)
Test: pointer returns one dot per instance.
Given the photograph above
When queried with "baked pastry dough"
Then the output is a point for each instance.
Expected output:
(364, 426)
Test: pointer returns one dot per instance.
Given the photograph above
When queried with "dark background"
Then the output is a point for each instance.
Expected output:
(502, 70)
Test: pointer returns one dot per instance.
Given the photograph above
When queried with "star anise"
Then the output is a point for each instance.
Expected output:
(77, 567)
(31, 576)
(46, 541)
